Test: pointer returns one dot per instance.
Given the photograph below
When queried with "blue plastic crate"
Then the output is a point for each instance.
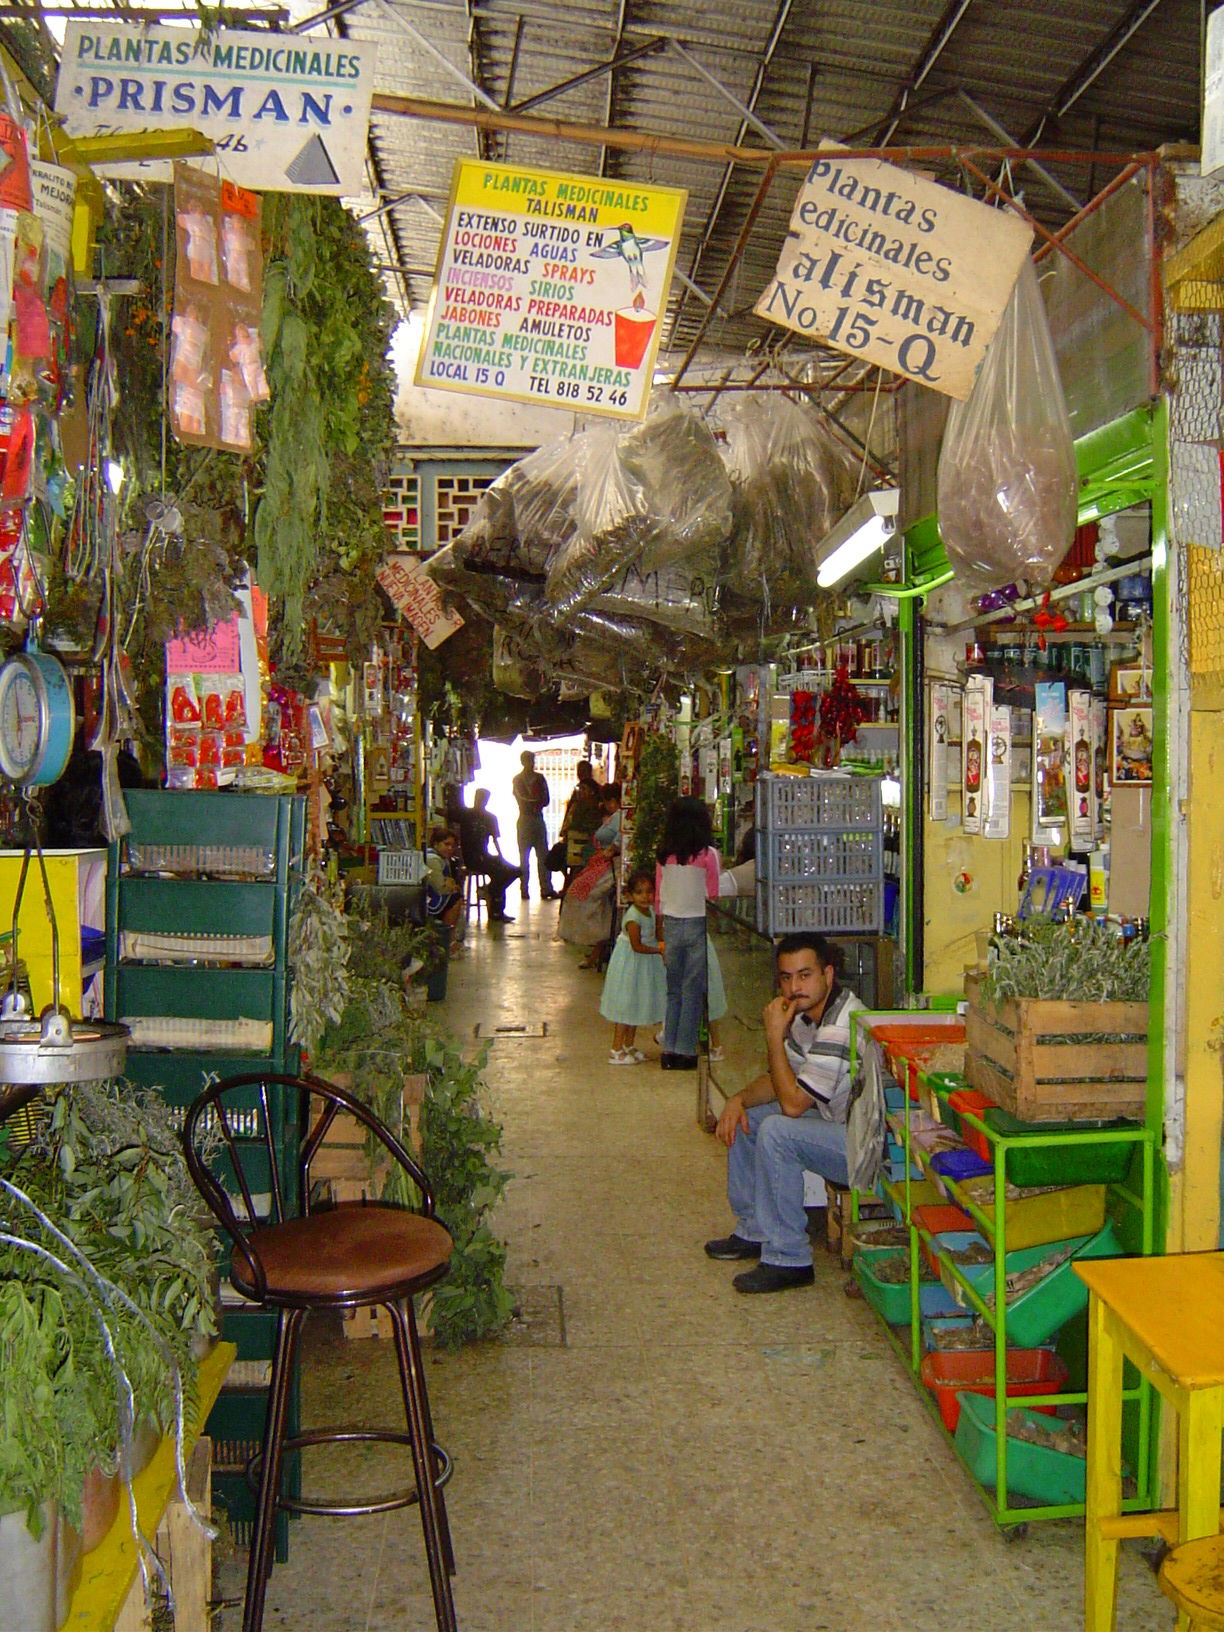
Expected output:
(789, 802)
(801, 855)
(848, 907)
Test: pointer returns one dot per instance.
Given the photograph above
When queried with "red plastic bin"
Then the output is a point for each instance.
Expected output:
(950, 1372)
(906, 1048)
(969, 1099)
(939, 1219)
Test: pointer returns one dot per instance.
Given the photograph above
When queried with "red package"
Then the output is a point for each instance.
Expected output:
(235, 703)
(212, 702)
(184, 707)
(184, 750)
(210, 748)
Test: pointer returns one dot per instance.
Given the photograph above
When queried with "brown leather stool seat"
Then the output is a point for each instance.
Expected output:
(350, 1255)
(288, 1258)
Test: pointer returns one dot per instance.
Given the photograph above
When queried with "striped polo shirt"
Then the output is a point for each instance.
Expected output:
(819, 1055)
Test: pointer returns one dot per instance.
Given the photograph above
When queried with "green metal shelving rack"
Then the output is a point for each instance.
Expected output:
(191, 833)
(1138, 1199)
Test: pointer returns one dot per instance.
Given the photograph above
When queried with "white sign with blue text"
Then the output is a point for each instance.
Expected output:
(889, 266)
(287, 113)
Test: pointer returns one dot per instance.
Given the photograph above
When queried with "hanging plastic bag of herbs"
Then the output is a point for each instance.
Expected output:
(790, 484)
(674, 456)
(613, 519)
(1007, 480)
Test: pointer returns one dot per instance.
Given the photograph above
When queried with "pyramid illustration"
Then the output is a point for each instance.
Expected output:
(313, 166)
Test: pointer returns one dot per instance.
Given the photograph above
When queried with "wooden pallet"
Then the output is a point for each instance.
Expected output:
(1032, 1056)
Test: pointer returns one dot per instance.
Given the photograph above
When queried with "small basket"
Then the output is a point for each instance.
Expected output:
(847, 908)
(788, 802)
(806, 856)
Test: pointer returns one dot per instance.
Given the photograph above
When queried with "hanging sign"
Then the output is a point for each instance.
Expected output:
(997, 823)
(940, 714)
(416, 597)
(551, 288)
(287, 112)
(883, 264)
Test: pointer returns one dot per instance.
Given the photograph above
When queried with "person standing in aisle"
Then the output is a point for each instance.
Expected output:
(686, 877)
(791, 1121)
(530, 789)
(583, 814)
(635, 991)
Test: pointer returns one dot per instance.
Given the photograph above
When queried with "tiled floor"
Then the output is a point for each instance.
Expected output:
(691, 1460)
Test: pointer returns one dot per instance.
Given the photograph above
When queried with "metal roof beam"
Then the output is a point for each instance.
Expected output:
(618, 61)
(1092, 66)
(439, 57)
(741, 108)
(936, 45)
(1008, 140)
(622, 24)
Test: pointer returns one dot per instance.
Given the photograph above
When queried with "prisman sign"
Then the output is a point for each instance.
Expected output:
(889, 266)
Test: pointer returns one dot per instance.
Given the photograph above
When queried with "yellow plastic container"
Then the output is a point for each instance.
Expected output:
(77, 879)
(1054, 1215)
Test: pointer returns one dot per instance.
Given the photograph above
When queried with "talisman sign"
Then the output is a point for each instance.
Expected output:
(417, 598)
(886, 265)
(550, 288)
(288, 112)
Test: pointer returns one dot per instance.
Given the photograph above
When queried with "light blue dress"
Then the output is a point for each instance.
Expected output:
(635, 987)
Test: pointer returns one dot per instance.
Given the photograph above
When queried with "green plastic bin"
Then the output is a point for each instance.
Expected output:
(1082, 1163)
(1036, 1471)
(892, 1301)
(1037, 1313)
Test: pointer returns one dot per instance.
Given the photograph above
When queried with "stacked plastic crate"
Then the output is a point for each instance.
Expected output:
(820, 855)
(198, 902)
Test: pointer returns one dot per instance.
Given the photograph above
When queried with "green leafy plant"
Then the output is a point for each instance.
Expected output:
(658, 783)
(1080, 961)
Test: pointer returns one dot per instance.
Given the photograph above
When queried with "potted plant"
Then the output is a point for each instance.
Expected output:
(106, 1288)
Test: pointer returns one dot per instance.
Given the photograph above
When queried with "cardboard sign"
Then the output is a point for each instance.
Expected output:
(551, 288)
(288, 113)
(205, 651)
(416, 597)
(886, 265)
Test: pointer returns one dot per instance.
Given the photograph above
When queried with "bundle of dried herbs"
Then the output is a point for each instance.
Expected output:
(1080, 960)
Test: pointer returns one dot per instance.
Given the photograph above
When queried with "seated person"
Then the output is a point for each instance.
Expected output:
(480, 842)
(443, 897)
(790, 1121)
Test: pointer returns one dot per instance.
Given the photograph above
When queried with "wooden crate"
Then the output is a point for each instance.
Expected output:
(1025, 1054)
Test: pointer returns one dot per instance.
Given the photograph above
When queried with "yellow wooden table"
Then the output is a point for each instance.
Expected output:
(1165, 1315)
(101, 1599)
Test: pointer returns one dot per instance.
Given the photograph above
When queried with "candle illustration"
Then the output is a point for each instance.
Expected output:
(634, 323)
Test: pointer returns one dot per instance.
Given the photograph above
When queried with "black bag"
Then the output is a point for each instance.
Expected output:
(556, 857)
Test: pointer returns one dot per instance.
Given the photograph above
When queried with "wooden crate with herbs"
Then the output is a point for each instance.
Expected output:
(1051, 1060)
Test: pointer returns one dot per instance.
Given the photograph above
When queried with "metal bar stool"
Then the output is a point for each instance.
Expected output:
(347, 1257)
(473, 900)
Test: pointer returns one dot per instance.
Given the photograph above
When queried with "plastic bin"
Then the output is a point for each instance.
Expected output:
(969, 1099)
(939, 1220)
(815, 802)
(807, 856)
(960, 1164)
(941, 1323)
(1035, 1471)
(1052, 1215)
(939, 1091)
(951, 1373)
(1078, 1163)
(1038, 1312)
(849, 907)
(922, 1193)
(950, 1243)
(892, 1302)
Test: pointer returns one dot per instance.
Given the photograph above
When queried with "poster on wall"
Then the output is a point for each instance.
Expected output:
(977, 708)
(939, 752)
(286, 113)
(1100, 754)
(1049, 763)
(551, 288)
(997, 823)
(1079, 763)
(885, 264)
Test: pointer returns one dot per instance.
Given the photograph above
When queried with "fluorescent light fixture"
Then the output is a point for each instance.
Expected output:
(114, 475)
(858, 535)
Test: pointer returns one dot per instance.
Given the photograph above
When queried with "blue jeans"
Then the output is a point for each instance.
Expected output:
(533, 835)
(687, 977)
(765, 1169)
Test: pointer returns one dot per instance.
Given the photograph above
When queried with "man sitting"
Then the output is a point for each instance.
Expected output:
(791, 1121)
(479, 840)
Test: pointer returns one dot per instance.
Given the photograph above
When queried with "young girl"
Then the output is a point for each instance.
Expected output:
(685, 879)
(634, 989)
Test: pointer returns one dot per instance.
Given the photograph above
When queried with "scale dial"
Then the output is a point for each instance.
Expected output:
(37, 719)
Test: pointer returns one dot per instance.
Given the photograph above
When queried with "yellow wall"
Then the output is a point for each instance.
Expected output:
(952, 916)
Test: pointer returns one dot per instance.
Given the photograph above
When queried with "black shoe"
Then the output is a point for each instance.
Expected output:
(732, 1246)
(773, 1278)
(550, 895)
(679, 1062)
(501, 918)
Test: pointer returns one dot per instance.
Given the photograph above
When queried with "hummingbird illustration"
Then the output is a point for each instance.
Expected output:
(632, 250)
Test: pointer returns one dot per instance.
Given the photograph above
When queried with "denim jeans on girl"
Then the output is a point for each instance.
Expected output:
(765, 1169)
(685, 940)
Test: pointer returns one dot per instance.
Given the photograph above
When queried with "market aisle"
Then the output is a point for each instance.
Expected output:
(688, 1460)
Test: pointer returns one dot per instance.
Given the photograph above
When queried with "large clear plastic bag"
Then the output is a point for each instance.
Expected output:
(683, 597)
(790, 484)
(674, 456)
(1007, 479)
(526, 517)
(494, 593)
(613, 524)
